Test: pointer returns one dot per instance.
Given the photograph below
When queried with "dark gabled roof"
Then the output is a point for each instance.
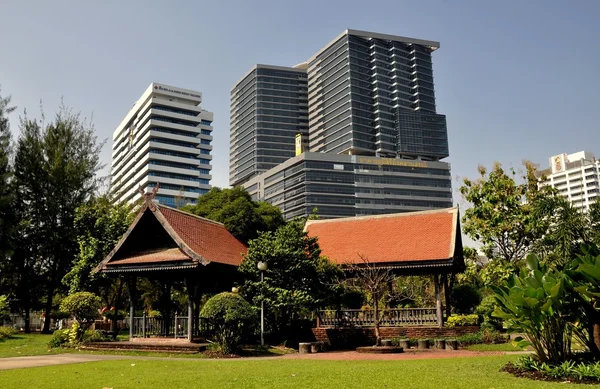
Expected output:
(410, 239)
(193, 241)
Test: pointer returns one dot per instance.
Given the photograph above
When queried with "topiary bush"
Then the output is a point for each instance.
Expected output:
(232, 318)
(84, 306)
(465, 298)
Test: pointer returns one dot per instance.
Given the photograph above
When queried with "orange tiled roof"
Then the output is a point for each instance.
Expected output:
(155, 256)
(205, 237)
(402, 237)
(198, 241)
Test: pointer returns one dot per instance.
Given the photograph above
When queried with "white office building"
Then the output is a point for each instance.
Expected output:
(165, 138)
(576, 177)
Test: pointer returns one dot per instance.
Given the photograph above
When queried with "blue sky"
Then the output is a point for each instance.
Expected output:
(516, 79)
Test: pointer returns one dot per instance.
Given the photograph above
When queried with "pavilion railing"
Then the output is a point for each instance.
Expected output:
(387, 317)
(174, 327)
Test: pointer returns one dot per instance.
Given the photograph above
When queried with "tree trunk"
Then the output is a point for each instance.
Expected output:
(27, 328)
(48, 308)
(114, 328)
(596, 337)
(376, 319)
(447, 292)
(438, 300)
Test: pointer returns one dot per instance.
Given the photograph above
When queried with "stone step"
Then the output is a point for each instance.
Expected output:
(179, 347)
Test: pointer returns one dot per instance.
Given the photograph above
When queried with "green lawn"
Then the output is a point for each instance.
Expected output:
(494, 347)
(274, 373)
(27, 344)
(22, 345)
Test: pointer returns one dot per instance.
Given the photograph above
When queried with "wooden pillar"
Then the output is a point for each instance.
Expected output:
(191, 291)
(438, 300)
(131, 289)
(447, 292)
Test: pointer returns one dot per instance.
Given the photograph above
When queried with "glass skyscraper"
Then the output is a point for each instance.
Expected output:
(375, 139)
(373, 94)
(269, 107)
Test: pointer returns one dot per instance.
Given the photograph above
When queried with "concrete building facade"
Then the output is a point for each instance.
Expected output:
(340, 185)
(269, 107)
(164, 139)
(576, 177)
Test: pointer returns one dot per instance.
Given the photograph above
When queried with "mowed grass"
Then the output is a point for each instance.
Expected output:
(495, 347)
(457, 373)
(22, 345)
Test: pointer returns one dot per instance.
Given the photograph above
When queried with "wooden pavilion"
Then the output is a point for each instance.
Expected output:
(169, 245)
(411, 243)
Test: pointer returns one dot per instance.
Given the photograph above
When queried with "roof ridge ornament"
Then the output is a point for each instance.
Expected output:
(149, 196)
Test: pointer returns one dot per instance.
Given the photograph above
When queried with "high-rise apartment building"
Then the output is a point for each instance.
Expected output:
(164, 139)
(373, 94)
(269, 107)
(576, 177)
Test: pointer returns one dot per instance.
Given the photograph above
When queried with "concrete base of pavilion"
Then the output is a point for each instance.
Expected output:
(156, 344)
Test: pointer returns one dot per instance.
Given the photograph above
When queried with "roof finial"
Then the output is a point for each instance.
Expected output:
(149, 197)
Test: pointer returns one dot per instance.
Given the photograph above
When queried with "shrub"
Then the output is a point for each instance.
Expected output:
(59, 337)
(492, 336)
(487, 337)
(232, 318)
(464, 298)
(462, 320)
(4, 309)
(537, 303)
(469, 339)
(569, 369)
(69, 337)
(485, 310)
(84, 307)
(6, 332)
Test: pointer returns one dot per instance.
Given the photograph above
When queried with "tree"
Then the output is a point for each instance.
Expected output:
(232, 319)
(296, 281)
(99, 225)
(505, 216)
(372, 279)
(7, 215)
(242, 216)
(55, 169)
(569, 228)
(84, 306)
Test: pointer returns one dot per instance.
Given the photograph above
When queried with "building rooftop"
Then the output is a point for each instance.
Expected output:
(411, 238)
(162, 237)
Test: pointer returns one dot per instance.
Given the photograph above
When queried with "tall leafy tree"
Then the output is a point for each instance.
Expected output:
(505, 215)
(99, 225)
(296, 281)
(55, 168)
(242, 216)
(7, 215)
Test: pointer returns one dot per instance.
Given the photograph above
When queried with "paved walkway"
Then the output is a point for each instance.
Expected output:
(49, 360)
(62, 359)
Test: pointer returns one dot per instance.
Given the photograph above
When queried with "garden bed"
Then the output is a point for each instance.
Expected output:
(541, 376)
